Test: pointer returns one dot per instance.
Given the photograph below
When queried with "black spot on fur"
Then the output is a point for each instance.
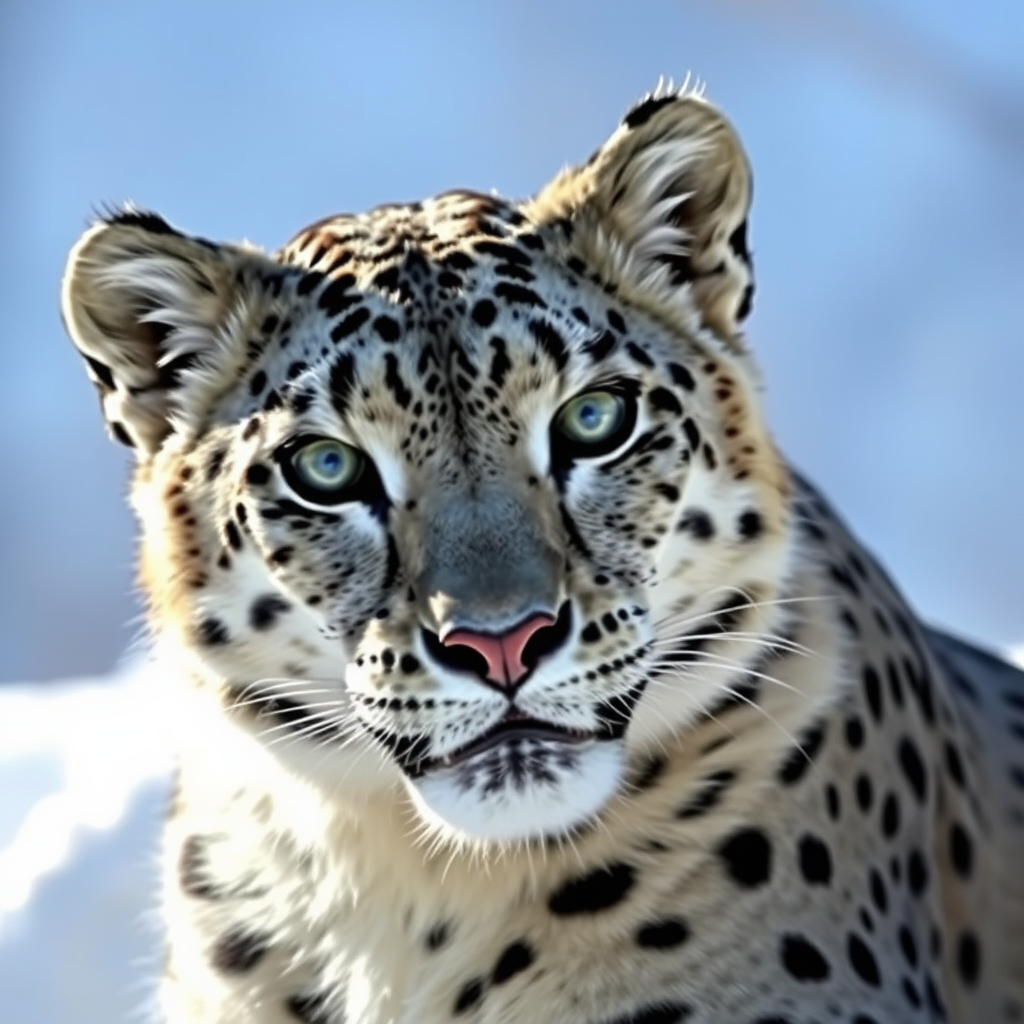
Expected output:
(234, 537)
(663, 400)
(500, 362)
(282, 555)
(692, 434)
(257, 474)
(863, 961)
(968, 959)
(550, 342)
(802, 756)
(681, 376)
(913, 768)
(308, 282)
(211, 632)
(803, 960)
(193, 869)
(395, 383)
(865, 793)
(514, 960)
(921, 687)
(342, 382)
(352, 323)
(309, 1008)
(662, 1013)
(239, 950)
(873, 692)
(917, 873)
(638, 354)
(908, 946)
(469, 995)
(750, 525)
(338, 295)
(832, 803)
(890, 816)
(698, 523)
(854, 730)
(961, 851)
(598, 348)
(517, 294)
(438, 936)
(747, 857)
(595, 891)
(215, 463)
(265, 611)
(483, 313)
(815, 861)
(954, 765)
(713, 786)
(388, 328)
(649, 772)
(504, 251)
(667, 933)
(879, 894)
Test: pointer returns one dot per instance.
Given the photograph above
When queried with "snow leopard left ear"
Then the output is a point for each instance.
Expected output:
(660, 211)
(160, 318)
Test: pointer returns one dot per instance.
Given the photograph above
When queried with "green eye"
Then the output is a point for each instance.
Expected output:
(321, 469)
(592, 418)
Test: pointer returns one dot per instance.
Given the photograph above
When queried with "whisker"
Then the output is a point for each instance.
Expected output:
(674, 668)
(682, 618)
(763, 639)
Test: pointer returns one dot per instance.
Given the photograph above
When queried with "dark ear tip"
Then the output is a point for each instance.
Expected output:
(132, 216)
(643, 111)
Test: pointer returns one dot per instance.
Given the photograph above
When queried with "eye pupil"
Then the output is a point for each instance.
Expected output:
(323, 470)
(595, 422)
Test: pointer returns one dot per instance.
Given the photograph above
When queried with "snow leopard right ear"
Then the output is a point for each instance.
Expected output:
(660, 211)
(160, 319)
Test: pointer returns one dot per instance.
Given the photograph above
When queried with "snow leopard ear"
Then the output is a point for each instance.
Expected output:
(159, 318)
(660, 211)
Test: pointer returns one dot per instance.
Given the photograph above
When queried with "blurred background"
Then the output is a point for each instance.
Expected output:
(887, 138)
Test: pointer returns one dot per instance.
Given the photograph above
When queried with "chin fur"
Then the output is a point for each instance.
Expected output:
(520, 792)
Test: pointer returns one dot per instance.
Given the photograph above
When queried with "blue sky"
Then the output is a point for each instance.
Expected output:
(887, 233)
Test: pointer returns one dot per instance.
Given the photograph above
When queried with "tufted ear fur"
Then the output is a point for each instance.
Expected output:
(160, 319)
(660, 210)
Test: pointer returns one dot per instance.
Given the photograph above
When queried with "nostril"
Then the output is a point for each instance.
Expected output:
(548, 639)
(457, 657)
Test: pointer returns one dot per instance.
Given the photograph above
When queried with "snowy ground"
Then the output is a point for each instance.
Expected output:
(84, 771)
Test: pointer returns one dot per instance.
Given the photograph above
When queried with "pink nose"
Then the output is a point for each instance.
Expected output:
(504, 653)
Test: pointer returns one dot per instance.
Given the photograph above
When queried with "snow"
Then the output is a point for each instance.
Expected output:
(84, 776)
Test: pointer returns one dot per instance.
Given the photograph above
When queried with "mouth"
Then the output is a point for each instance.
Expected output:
(514, 728)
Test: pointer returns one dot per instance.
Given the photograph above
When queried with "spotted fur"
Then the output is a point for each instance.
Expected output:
(512, 726)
